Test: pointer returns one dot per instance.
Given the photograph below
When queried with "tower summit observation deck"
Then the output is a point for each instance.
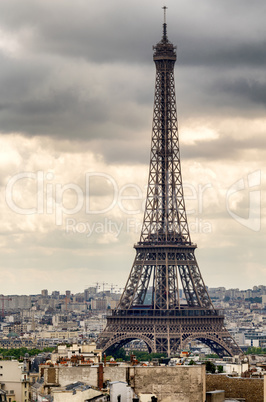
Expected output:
(165, 256)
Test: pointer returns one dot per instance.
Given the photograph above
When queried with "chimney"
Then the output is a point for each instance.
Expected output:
(100, 376)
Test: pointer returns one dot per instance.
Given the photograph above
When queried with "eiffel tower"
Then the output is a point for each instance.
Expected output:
(165, 248)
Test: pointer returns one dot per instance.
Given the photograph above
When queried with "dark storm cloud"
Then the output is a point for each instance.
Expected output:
(120, 151)
(225, 147)
(223, 54)
(59, 114)
(114, 31)
(247, 90)
(41, 95)
(97, 32)
(19, 79)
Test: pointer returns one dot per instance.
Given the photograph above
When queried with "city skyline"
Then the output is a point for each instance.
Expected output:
(116, 290)
(76, 102)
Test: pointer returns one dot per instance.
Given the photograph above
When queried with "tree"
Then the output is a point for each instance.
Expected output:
(254, 299)
(120, 354)
(140, 356)
(210, 367)
(220, 369)
(20, 352)
(255, 351)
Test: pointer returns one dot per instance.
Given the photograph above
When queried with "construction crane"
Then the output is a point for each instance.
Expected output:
(104, 283)
(3, 299)
(97, 286)
(113, 287)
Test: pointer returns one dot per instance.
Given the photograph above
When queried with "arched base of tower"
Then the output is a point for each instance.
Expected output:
(110, 342)
(168, 334)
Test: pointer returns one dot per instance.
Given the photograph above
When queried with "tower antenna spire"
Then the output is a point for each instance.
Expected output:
(164, 23)
(164, 8)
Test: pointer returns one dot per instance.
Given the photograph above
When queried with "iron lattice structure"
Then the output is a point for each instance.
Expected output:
(165, 248)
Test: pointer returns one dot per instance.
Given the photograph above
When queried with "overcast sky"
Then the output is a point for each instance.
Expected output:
(76, 99)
